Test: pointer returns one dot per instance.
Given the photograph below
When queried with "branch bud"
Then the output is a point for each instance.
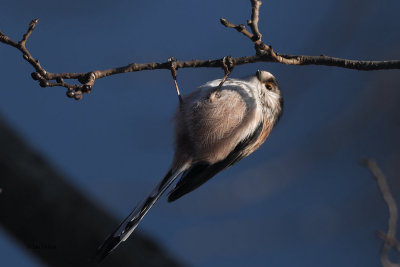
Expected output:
(43, 83)
(256, 37)
(86, 88)
(36, 76)
(78, 95)
(70, 93)
(223, 22)
(87, 78)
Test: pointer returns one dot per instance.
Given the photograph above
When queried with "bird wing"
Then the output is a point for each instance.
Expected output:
(201, 172)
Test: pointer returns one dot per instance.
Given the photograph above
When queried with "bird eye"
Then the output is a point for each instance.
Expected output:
(268, 86)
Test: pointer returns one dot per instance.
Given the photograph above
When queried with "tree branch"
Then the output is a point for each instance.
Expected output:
(389, 238)
(264, 53)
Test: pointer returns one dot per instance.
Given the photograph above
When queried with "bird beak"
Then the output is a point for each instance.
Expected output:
(258, 74)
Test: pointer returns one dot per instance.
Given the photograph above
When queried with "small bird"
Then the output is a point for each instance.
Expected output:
(215, 126)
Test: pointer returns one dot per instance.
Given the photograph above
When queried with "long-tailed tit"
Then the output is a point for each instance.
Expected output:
(215, 127)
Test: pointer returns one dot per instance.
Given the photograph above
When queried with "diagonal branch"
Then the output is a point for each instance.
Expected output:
(264, 53)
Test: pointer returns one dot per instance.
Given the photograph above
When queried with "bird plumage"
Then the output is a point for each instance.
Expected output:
(215, 127)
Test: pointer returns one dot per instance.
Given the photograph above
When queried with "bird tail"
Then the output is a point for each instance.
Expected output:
(128, 225)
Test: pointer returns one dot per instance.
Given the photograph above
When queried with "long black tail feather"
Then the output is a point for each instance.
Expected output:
(127, 226)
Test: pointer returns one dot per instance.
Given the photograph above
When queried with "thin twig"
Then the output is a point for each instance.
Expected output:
(390, 237)
(174, 76)
(227, 65)
(32, 26)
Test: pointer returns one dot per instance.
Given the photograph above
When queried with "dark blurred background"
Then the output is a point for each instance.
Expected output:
(301, 200)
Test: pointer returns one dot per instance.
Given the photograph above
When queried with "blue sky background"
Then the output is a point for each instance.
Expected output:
(301, 200)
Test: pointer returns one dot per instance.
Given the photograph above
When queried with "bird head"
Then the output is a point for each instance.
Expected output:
(269, 92)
